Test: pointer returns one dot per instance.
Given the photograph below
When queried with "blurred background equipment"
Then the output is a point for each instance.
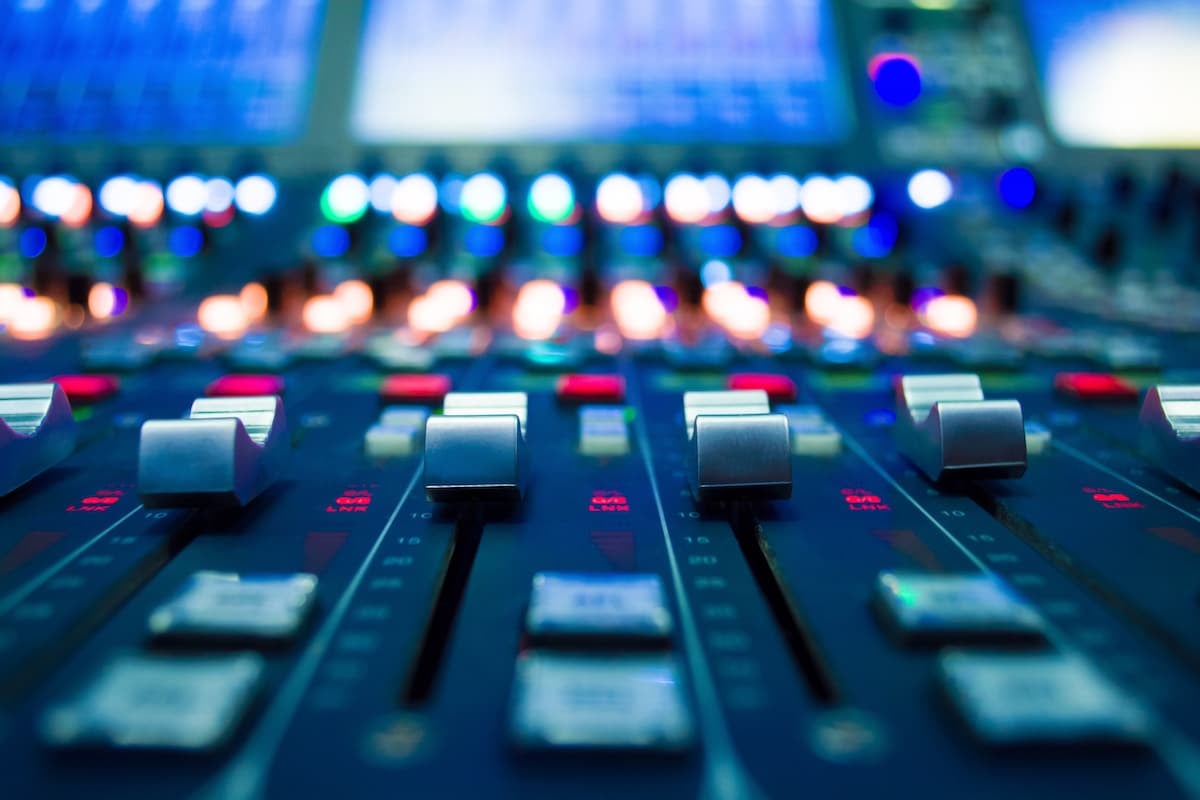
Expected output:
(600, 398)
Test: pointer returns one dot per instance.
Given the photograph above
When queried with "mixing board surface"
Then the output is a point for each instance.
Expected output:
(583, 399)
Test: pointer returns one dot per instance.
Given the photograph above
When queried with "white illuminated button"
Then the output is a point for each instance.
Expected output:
(158, 703)
(398, 433)
(230, 607)
(1012, 700)
(812, 432)
(590, 608)
(1037, 438)
(580, 702)
(603, 431)
(944, 609)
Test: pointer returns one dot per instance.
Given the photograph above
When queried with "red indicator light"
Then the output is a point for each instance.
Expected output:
(1095, 386)
(863, 500)
(84, 389)
(245, 386)
(351, 501)
(583, 388)
(608, 502)
(101, 501)
(777, 387)
(1111, 499)
(428, 389)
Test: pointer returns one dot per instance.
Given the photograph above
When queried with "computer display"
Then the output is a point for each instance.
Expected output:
(146, 71)
(1119, 73)
(600, 70)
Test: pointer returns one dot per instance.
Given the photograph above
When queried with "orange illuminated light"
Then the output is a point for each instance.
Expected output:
(222, 315)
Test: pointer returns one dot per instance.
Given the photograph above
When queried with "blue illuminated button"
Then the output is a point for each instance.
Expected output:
(587, 608)
(896, 78)
(570, 702)
(1010, 700)
(946, 609)
(603, 431)
(226, 606)
(141, 702)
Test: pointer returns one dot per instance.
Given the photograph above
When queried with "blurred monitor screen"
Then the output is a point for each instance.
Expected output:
(146, 71)
(1119, 73)
(600, 71)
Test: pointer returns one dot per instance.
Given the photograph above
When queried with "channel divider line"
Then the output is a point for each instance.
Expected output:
(244, 775)
(18, 595)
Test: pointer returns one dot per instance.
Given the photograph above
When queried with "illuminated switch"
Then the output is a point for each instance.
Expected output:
(603, 431)
(398, 432)
(723, 403)
(85, 389)
(260, 352)
(1100, 387)
(578, 702)
(598, 608)
(737, 449)
(37, 431)
(1170, 423)
(585, 388)
(1037, 438)
(163, 703)
(230, 608)
(921, 609)
(224, 453)
(812, 432)
(429, 389)
(475, 450)
(779, 388)
(1040, 700)
(946, 427)
(392, 353)
(478, 404)
(245, 386)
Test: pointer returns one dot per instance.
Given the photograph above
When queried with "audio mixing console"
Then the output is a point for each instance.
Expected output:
(432, 399)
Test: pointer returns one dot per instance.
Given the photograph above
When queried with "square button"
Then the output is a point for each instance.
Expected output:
(158, 703)
(245, 386)
(578, 702)
(946, 609)
(85, 389)
(428, 388)
(778, 387)
(225, 606)
(592, 608)
(603, 431)
(1095, 387)
(1038, 700)
(588, 388)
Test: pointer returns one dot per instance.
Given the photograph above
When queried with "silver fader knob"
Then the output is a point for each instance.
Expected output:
(475, 450)
(36, 431)
(946, 427)
(1170, 422)
(224, 453)
(738, 450)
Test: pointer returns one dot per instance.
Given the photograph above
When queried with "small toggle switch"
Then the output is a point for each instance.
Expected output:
(223, 454)
(1170, 423)
(475, 450)
(738, 449)
(36, 431)
(946, 427)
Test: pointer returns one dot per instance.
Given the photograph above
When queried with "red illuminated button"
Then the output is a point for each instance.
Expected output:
(428, 389)
(245, 386)
(591, 388)
(1096, 386)
(84, 389)
(777, 387)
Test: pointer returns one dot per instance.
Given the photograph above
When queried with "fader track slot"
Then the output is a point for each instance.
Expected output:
(451, 587)
(801, 643)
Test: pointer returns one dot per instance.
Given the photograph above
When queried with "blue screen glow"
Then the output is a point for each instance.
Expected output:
(596, 70)
(172, 71)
